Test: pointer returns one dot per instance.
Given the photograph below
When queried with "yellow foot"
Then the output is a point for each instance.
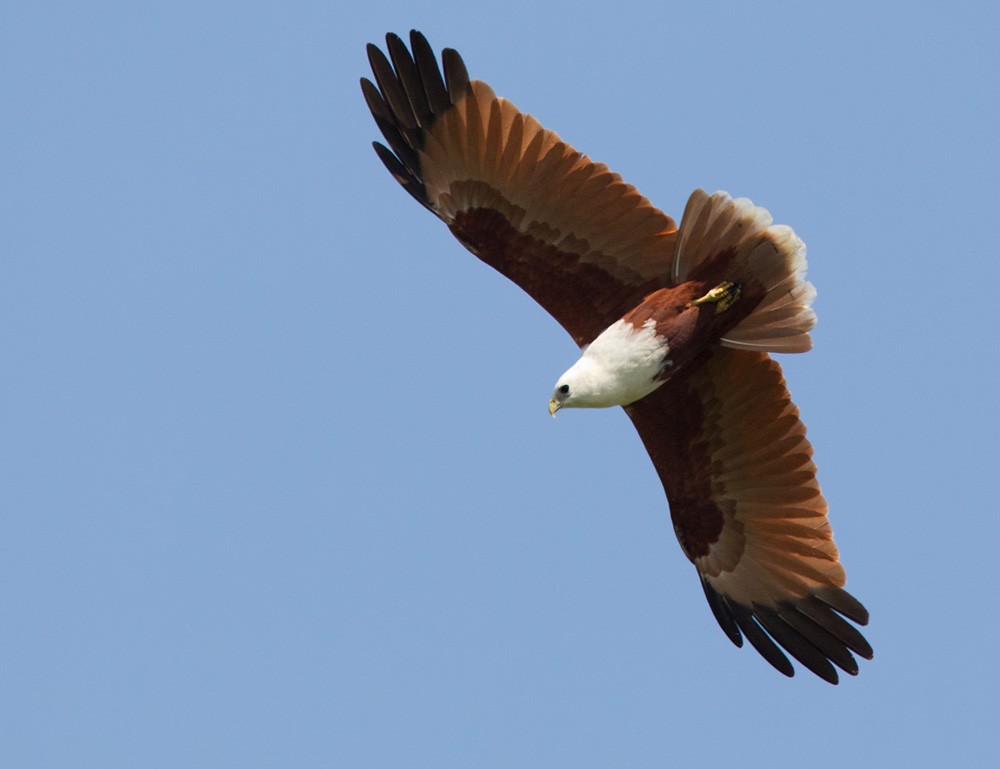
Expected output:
(723, 296)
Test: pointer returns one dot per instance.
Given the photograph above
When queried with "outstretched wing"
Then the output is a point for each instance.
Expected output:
(583, 243)
(733, 457)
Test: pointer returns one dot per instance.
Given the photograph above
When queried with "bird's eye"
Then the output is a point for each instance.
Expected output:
(564, 389)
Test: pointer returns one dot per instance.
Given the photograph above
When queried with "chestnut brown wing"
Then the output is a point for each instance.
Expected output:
(582, 242)
(732, 453)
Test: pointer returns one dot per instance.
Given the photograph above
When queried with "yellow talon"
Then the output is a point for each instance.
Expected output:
(723, 296)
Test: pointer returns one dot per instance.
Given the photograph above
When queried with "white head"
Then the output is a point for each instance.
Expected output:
(619, 367)
(585, 385)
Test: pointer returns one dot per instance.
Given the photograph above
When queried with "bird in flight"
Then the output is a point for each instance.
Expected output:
(675, 324)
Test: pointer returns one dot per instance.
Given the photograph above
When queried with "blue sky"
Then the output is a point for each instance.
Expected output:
(279, 487)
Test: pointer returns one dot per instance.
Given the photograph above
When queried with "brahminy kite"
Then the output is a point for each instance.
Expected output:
(675, 324)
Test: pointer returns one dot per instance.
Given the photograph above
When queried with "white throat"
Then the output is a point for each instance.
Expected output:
(619, 367)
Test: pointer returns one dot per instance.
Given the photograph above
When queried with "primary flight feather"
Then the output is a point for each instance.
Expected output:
(674, 324)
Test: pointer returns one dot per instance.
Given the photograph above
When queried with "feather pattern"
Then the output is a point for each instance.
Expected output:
(725, 239)
(721, 429)
(737, 468)
(567, 229)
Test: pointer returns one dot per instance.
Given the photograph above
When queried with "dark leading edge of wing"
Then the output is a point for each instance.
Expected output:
(408, 100)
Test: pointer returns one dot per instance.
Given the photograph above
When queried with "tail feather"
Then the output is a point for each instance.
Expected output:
(734, 240)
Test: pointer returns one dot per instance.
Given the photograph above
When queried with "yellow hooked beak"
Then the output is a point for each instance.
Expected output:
(554, 407)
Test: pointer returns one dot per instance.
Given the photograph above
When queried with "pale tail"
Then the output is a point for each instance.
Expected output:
(766, 253)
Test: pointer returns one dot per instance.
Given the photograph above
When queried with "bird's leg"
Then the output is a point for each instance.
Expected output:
(723, 296)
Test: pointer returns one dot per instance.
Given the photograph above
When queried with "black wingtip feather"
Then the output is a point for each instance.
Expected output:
(399, 145)
(392, 90)
(407, 96)
(722, 614)
(835, 625)
(409, 79)
(759, 639)
(455, 74)
(402, 174)
(844, 602)
(376, 104)
(833, 648)
(430, 74)
(809, 629)
(796, 644)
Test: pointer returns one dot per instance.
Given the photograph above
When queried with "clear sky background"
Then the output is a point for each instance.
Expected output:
(277, 480)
